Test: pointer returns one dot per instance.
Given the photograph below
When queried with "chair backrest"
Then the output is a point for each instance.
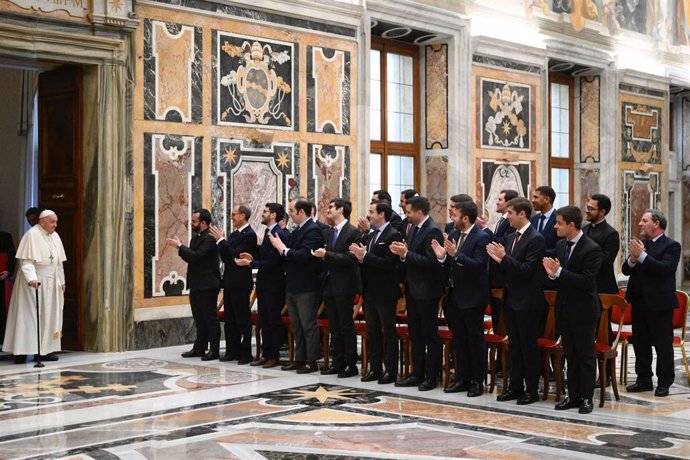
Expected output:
(610, 302)
(680, 314)
(550, 328)
(617, 314)
(357, 308)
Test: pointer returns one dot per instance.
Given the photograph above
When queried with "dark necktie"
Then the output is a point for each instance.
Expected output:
(498, 225)
(461, 241)
(335, 238)
(415, 230)
(516, 241)
(542, 218)
(374, 236)
(568, 250)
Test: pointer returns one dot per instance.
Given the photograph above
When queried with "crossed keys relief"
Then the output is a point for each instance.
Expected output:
(505, 124)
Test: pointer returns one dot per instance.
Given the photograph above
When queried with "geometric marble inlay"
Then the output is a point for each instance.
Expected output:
(640, 192)
(589, 185)
(589, 119)
(328, 90)
(328, 175)
(641, 133)
(172, 190)
(497, 176)
(505, 115)
(436, 100)
(437, 186)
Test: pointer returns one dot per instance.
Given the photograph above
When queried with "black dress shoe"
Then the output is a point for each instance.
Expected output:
(349, 371)
(210, 356)
(427, 385)
(372, 376)
(20, 359)
(566, 404)
(527, 398)
(226, 357)
(258, 362)
(246, 360)
(308, 368)
(193, 354)
(387, 378)
(411, 381)
(639, 387)
(292, 366)
(586, 406)
(509, 395)
(476, 389)
(457, 387)
(661, 391)
(331, 370)
(49, 357)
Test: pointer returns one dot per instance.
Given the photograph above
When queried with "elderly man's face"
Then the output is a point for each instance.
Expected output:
(49, 223)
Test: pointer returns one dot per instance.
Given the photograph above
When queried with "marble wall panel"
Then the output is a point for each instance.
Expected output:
(496, 176)
(328, 175)
(505, 115)
(255, 82)
(437, 187)
(436, 96)
(589, 185)
(589, 119)
(172, 72)
(640, 192)
(328, 90)
(172, 190)
(686, 227)
(641, 131)
(251, 174)
(685, 132)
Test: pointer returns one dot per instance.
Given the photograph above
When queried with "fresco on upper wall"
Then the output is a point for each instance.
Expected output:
(681, 22)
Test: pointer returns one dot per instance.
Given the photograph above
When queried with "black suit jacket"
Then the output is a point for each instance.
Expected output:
(503, 231)
(396, 222)
(469, 270)
(524, 271)
(303, 271)
(609, 241)
(423, 273)
(342, 268)
(380, 268)
(548, 232)
(271, 276)
(653, 282)
(577, 298)
(236, 277)
(203, 267)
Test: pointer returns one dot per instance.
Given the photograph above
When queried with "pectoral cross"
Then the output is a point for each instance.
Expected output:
(51, 257)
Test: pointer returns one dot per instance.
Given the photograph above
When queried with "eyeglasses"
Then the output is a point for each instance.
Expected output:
(589, 208)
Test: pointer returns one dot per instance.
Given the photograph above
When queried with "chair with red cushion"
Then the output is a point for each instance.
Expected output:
(624, 319)
(680, 319)
(552, 349)
(497, 340)
(606, 354)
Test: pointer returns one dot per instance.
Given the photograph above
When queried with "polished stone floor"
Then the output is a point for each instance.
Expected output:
(154, 404)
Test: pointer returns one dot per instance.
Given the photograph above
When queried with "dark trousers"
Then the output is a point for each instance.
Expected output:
(450, 311)
(496, 311)
(302, 308)
(653, 329)
(343, 338)
(580, 354)
(382, 336)
(272, 330)
(471, 345)
(422, 321)
(523, 329)
(203, 303)
(238, 323)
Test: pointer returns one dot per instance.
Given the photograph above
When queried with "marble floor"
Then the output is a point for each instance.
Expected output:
(154, 404)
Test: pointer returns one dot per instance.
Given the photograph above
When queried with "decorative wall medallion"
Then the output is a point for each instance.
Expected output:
(505, 114)
(329, 175)
(640, 192)
(172, 190)
(589, 119)
(437, 187)
(254, 82)
(497, 176)
(172, 72)
(328, 90)
(436, 96)
(641, 133)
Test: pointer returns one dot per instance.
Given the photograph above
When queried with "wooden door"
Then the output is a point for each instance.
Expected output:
(60, 144)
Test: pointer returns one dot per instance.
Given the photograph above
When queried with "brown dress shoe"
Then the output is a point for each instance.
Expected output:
(292, 366)
(258, 362)
(308, 368)
(271, 363)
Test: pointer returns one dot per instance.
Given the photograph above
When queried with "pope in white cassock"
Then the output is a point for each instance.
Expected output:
(41, 257)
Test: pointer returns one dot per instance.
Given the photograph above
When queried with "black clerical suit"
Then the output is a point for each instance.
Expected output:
(652, 293)
(396, 222)
(470, 289)
(522, 306)
(424, 288)
(341, 284)
(270, 293)
(496, 277)
(381, 291)
(608, 240)
(577, 312)
(6, 247)
(203, 282)
(237, 290)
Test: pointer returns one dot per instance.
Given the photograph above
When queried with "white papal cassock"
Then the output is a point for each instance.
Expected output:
(41, 256)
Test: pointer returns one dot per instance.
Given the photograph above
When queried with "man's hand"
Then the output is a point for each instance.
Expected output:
(358, 250)
(439, 250)
(4, 274)
(480, 222)
(398, 248)
(496, 251)
(216, 233)
(242, 262)
(63, 288)
(450, 247)
(320, 253)
(175, 241)
(277, 242)
(34, 284)
(551, 265)
(363, 224)
(636, 248)
(246, 256)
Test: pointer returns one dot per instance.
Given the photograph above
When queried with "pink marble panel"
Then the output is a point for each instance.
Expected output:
(437, 187)
(255, 183)
(589, 185)
(589, 119)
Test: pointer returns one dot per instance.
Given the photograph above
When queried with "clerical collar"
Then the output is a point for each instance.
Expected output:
(597, 223)
(658, 236)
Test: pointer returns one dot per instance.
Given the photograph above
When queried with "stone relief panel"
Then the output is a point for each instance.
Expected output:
(589, 185)
(254, 82)
(172, 72)
(251, 174)
(641, 130)
(328, 175)
(499, 175)
(685, 132)
(640, 192)
(436, 96)
(172, 190)
(437, 187)
(328, 90)
(505, 115)
(589, 119)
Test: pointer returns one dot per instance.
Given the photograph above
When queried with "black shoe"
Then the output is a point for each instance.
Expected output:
(566, 404)
(210, 356)
(661, 391)
(387, 378)
(527, 398)
(349, 371)
(20, 359)
(476, 389)
(411, 381)
(331, 370)
(427, 385)
(457, 387)
(371, 376)
(246, 360)
(308, 368)
(292, 366)
(586, 406)
(193, 354)
(509, 395)
(226, 357)
(49, 357)
(639, 387)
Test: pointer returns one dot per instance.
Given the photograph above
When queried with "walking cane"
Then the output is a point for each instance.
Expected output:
(38, 331)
